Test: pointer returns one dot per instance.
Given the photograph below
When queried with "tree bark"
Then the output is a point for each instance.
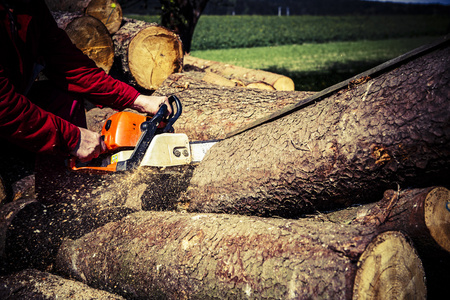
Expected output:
(34, 284)
(146, 54)
(211, 111)
(420, 213)
(109, 12)
(244, 75)
(67, 5)
(90, 36)
(150, 254)
(348, 148)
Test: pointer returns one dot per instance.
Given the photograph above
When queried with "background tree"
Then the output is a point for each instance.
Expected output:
(182, 17)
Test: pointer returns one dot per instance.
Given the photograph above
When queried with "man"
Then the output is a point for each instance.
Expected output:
(31, 41)
(47, 117)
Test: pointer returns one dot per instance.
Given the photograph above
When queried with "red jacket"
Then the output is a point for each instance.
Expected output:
(37, 39)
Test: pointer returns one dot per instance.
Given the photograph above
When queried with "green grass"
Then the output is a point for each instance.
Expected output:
(314, 67)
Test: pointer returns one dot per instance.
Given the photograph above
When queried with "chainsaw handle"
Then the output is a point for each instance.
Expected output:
(173, 117)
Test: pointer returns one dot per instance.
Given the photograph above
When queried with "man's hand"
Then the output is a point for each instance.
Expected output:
(90, 146)
(150, 104)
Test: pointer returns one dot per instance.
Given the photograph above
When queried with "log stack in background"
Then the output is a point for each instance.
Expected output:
(145, 54)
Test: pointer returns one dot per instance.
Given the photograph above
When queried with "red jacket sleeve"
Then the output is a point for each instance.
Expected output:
(27, 125)
(72, 70)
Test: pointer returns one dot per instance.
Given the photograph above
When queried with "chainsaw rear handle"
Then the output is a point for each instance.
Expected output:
(149, 129)
(173, 116)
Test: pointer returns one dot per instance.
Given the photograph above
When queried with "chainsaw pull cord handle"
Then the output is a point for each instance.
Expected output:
(149, 129)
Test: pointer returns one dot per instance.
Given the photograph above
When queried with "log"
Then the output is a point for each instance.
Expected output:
(34, 284)
(146, 53)
(109, 12)
(420, 213)
(346, 149)
(67, 5)
(90, 36)
(211, 111)
(172, 256)
(248, 76)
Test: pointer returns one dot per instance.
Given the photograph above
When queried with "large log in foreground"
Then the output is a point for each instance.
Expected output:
(182, 256)
(146, 53)
(348, 148)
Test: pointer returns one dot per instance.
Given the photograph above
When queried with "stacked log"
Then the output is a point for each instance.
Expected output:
(216, 72)
(346, 149)
(145, 53)
(212, 111)
(175, 256)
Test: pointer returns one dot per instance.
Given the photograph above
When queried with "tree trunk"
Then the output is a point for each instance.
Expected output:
(203, 256)
(347, 148)
(34, 284)
(420, 213)
(182, 16)
(90, 36)
(109, 12)
(247, 76)
(211, 111)
(146, 53)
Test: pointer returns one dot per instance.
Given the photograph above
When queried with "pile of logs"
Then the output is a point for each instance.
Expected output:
(145, 54)
(346, 198)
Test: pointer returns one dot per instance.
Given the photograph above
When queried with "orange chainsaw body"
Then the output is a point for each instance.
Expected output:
(122, 130)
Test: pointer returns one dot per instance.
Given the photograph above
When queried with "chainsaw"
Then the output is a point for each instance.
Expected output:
(134, 140)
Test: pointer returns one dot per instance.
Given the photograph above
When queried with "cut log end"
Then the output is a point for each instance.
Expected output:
(109, 12)
(437, 216)
(390, 268)
(284, 84)
(92, 37)
(153, 55)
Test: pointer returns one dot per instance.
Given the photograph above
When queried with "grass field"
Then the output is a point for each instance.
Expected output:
(315, 51)
(314, 67)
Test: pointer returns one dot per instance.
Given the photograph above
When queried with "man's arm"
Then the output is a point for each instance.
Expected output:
(27, 125)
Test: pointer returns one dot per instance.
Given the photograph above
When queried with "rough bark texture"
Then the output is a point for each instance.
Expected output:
(421, 213)
(239, 74)
(348, 148)
(109, 12)
(34, 284)
(146, 54)
(67, 5)
(211, 111)
(201, 256)
(63, 18)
